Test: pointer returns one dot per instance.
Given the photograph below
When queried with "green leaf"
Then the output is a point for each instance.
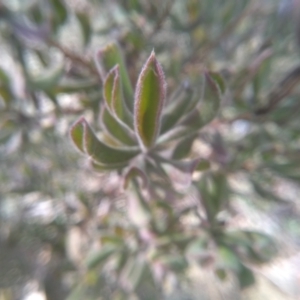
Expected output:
(227, 259)
(175, 134)
(177, 108)
(59, 12)
(208, 108)
(97, 167)
(113, 96)
(47, 81)
(122, 260)
(186, 166)
(254, 246)
(196, 247)
(85, 25)
(133, 272)
(77, 134)
(6, 94)
(219, 81)
(106, 59)
(4, 78)
(289, 170)
(134, 172)
(245, 277)
(214, 192)
(100, 257)
(149, 100)
(87, 142)
(116, 129)
(176, 263)
(183, 148)
(108, 87)
(203, 165)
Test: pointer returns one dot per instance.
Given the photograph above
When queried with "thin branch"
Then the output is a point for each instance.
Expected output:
(75, 58)
(283, 89)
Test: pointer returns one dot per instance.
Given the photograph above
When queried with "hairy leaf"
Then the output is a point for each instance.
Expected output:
(149, 100)
(116, 129)
(86, 141)
(106, 59)
(113, 96)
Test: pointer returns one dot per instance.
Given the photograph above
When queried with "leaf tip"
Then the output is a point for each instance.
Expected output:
(149, 100)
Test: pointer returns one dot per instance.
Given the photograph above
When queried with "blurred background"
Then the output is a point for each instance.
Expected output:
(55, 211)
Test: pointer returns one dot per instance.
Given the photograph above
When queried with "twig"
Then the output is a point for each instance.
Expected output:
(75, 58)
(283, 89)
(252, 70)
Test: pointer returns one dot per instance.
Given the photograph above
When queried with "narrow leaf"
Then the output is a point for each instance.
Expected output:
(107, 58)
(134, 172)
(85, 25)
(117, 129)
(77, 133)
(149, 100)
(113, 96)
(176, 109)
(246, 277)
(59, 12)
(85, 140)
(97, 167)
(183, 148)
(219, 81)
(133, 273)
(208, 108)
(108, 87)
(214, 192)
(100, 257)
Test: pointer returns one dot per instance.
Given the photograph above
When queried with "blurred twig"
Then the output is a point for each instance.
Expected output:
(283, 89)
(252, 69)
(75, 58)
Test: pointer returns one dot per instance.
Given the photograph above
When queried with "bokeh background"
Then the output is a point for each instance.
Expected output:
(55, 210)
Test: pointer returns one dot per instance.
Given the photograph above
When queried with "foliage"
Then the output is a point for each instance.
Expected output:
(172, 140)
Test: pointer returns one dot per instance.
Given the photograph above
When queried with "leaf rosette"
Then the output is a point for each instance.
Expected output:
(139, 129)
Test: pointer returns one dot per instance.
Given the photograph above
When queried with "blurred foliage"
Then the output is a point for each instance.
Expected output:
(146, 208)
